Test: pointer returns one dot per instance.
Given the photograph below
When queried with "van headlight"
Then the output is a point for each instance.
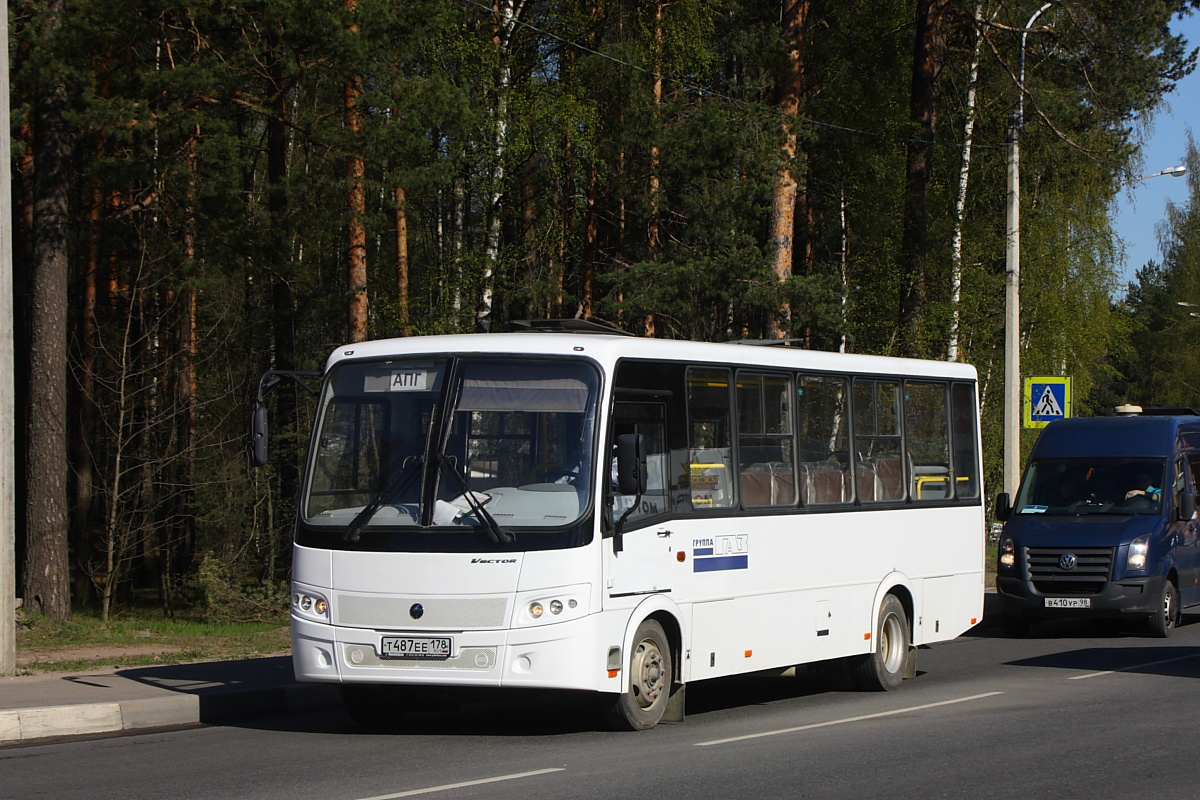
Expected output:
(1008, 552)
(1139, 549)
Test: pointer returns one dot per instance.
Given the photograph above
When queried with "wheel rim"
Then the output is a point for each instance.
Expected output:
(892, 643)
(1168, 608)
(649, 673)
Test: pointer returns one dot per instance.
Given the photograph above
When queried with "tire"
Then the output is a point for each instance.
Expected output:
(1015, 627)
(883, 669)
(1163, 622)
(649, 683)
(377, 708)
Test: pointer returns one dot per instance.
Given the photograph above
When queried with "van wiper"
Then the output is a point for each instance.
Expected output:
(400, 481)
(497, 534)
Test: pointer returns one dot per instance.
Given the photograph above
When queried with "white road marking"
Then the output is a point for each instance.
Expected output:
(848, 719)
(1134, 667)
(448, 786)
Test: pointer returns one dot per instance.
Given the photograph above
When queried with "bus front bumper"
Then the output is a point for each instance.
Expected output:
(560, 656)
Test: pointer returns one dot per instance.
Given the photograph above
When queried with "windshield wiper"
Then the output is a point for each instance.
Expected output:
(497, 534)
(398, 483)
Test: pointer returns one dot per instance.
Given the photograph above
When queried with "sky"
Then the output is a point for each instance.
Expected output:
(1141, 206)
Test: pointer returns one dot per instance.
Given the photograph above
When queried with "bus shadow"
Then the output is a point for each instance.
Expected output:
(1172, 662)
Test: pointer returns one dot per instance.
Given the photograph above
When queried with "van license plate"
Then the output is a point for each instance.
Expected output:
(416, 646)
(1068, 602)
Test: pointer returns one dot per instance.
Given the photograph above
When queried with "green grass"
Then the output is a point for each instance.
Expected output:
(140, 638)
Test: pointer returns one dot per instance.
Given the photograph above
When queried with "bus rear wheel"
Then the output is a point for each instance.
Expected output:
(377, 708)
(650, 677)
(883, 669)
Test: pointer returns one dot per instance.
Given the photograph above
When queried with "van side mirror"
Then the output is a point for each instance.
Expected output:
(631, 464)
(1003, 507)
(1187, 505)
(258, 435)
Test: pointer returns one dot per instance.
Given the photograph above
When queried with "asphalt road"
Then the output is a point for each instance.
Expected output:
(1074, 711)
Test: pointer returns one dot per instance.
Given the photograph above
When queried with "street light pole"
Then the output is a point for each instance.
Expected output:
(1012, 288)
(8, 534)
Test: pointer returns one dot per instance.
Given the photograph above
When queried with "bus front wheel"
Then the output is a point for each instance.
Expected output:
(649, 688)
(883, 669)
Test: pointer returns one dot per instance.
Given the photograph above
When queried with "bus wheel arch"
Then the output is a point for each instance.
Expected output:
(652, 666)
(888, 662)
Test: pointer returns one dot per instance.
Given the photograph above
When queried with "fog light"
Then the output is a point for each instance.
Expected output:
(320, 606)
(535, 610)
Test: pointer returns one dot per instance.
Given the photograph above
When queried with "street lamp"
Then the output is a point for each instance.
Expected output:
(1012, 289)
(1175, 172)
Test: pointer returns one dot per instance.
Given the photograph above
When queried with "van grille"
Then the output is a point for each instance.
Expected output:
(1093, 566)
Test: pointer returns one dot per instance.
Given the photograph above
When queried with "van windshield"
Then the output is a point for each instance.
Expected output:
(1077, 486)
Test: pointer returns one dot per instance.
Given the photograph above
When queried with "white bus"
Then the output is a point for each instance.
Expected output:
(622, 516)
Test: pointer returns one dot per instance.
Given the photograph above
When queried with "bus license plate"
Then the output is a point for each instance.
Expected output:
(416, 646)
(1068, 602)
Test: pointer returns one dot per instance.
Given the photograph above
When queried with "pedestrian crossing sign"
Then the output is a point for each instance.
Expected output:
(1046, 399)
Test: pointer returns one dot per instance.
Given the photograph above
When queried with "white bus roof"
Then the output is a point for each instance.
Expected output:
(607, 349)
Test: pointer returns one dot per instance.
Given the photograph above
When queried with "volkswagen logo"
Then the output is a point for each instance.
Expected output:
(417, 611)
(1067, 561)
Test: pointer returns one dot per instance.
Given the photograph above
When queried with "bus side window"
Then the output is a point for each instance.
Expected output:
(927, 439)
(966, 459)
(649, 420)
(822, 410)
(710, 438)
(766, 474)
(877, 443)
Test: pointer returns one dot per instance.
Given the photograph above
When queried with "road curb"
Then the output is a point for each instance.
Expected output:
(155, 712)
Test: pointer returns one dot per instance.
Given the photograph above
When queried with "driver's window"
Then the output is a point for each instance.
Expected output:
(649, 420)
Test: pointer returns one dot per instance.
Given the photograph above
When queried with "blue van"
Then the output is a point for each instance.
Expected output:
(1104, 524)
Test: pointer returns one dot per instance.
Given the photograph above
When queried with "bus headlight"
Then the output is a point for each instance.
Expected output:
(308, 604)
(1008, 552)
(1139, 548)
(554, 605)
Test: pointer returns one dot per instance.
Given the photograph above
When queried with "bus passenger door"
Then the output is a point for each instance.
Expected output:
(643, 564)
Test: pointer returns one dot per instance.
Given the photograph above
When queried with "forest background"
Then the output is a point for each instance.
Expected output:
(206, 190)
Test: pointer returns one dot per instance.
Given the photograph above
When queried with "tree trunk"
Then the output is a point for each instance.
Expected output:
(356, 204)
(652, 187)
(960, 202)
(279, 262)
(927, 63)
(47, 571)
(85, 420)
(401, 220)
(790, 89)
(507, 14)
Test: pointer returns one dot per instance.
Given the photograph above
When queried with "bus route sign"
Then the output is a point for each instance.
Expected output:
(1046, 399)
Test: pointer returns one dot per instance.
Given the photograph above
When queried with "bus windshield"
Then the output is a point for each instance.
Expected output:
(1093, 486)
(451, 442)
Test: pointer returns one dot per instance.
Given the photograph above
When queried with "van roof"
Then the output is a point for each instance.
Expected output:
(1116, 436)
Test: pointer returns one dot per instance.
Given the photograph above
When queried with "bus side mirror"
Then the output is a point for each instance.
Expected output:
(631, 464)
(1003, 509)
(1187, 505)
(258, 435)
